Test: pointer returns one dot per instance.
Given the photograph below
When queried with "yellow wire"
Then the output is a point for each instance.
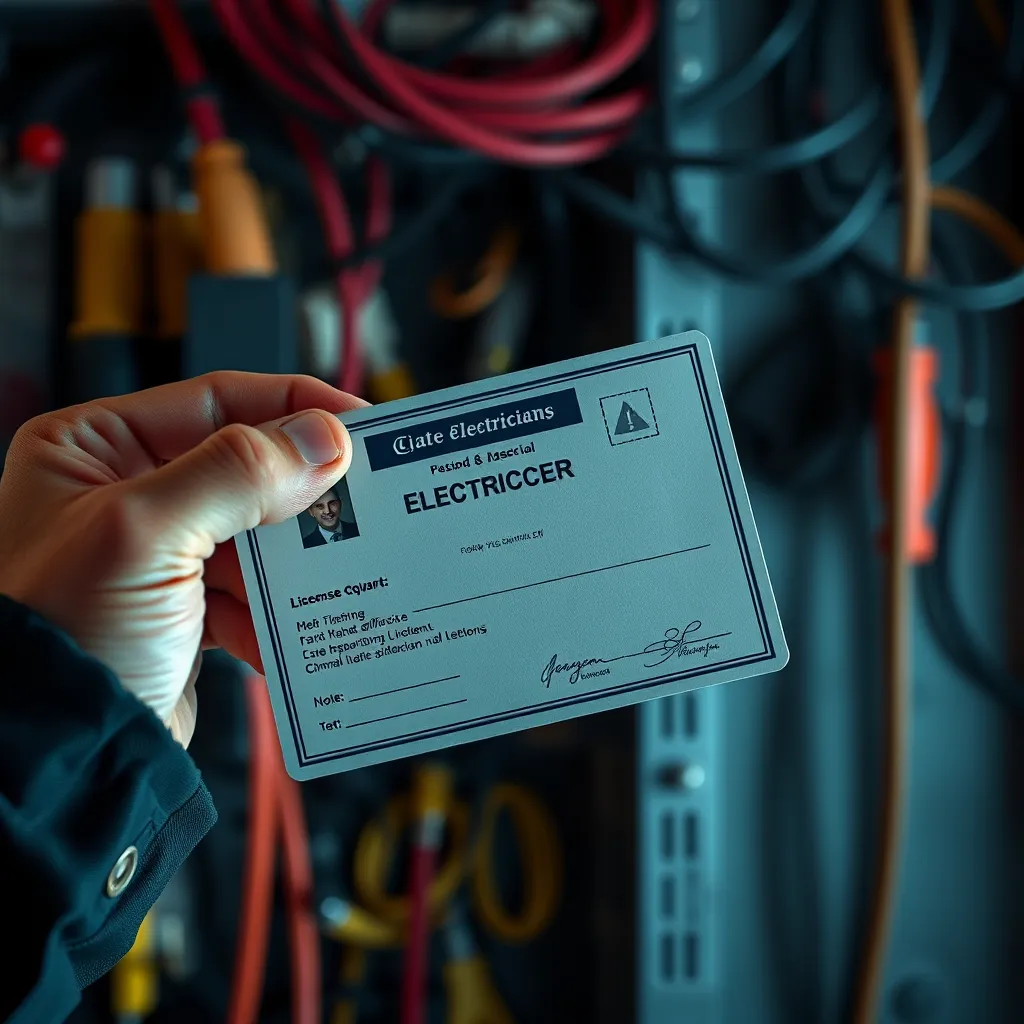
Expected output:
(539, 853)
(374, 855)
(541, 860)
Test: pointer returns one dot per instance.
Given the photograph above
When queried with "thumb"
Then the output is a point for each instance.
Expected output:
(242, 476)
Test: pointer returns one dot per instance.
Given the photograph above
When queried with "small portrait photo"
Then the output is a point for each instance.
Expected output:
(330, 518)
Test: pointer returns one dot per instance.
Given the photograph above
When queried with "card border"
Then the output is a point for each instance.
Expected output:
(768, 645)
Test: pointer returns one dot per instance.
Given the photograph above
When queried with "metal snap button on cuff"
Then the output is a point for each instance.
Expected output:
(122, 872)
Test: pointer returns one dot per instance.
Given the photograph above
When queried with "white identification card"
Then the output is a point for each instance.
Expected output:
(511, 553)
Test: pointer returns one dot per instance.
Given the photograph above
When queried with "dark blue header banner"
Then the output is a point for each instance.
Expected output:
(475, 429)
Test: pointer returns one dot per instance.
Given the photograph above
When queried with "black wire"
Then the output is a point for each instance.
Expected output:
(419, 153)
(559, 289)
(983, 130)
(428, 217)
(840, 238)
(674, 236)
(995, 74)
(808, 262)
(773, 159)
(806, 68)
(49, 103)
(616, 208)
(822, 190)
(728, 88)
(935, 580)
(824, 140)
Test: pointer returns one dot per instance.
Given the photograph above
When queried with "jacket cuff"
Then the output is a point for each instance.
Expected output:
(93, 789)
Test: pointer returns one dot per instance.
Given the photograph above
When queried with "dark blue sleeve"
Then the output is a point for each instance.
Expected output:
(86, 772)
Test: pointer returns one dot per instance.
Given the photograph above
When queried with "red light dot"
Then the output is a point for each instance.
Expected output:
(41, 146)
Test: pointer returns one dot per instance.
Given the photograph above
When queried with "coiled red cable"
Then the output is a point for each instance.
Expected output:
(543, 113)
(355, 285)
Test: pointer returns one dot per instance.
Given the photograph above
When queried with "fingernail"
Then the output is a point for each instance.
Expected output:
(314, 438)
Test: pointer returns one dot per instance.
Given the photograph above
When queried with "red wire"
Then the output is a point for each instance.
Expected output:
(258, 870)
(275, 814)
(303, 933)
(414, 972)
(203, 110)
(541, 114)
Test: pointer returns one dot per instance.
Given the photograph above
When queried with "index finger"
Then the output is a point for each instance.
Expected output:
(171, 419)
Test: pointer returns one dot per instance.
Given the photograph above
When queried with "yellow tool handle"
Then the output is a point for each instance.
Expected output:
(350, 973)
(471, 995)
(177, 255)
(109, 272)
(236, 239)
(391, 384)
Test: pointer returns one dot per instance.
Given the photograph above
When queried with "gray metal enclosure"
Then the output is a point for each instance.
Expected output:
(754, 865)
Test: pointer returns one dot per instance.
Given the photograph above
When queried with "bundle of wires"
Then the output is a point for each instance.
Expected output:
(574, 106)
(541, 113)
(562, 109)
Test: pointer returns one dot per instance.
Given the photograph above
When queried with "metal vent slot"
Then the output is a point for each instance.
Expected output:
(691, 836)
(668, 846)
(668, 716)
(691, 955)
(668, 957)
(668, 897)
(690, 715)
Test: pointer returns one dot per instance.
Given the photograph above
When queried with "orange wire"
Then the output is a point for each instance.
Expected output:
(492, 273)
(985, 218)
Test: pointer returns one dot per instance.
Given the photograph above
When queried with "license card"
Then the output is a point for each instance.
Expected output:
(511, 553)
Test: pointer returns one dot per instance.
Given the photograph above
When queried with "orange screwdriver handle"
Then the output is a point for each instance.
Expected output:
(925, 446)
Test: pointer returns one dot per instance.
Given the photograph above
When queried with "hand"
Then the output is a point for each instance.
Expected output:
(116, 518)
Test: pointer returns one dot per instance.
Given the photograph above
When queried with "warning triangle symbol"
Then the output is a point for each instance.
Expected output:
(630, 420)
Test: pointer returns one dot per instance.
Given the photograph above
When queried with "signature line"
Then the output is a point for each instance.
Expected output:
(558, 579)
(402, 714)
(401, 689)
(640, 654)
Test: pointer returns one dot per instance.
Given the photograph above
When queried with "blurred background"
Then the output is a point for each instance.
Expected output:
(411, 194)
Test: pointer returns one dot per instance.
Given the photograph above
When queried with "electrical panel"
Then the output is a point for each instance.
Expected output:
(719, 846)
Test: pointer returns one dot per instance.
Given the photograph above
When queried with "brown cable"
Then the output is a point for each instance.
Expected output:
(979, 214)
(991, 17)
(914, 248)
